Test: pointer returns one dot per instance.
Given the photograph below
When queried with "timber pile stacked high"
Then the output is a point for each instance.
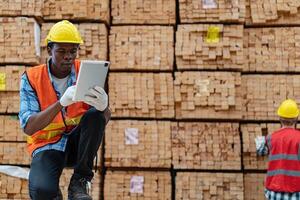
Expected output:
(141, 95)
(193, 11)
(21, 8)
(138, 144)
(208, 95)
(206, 146)
(76, 10)
(18, 40)
(143, 12)
(264, 93)
(272, 49)
(137, 185)
(271, 12)
(94, 45)
(141, 48)
(209, 46)
(254, 186)
(194, 186)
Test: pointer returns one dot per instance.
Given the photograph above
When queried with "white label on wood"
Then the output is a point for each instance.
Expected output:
(137, 184)
(209, 4)
(131, 136)
(202, 88)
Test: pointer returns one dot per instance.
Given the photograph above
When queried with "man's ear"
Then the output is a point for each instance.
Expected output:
(49, 50)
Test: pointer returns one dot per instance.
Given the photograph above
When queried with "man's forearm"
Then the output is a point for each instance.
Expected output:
(42, 119)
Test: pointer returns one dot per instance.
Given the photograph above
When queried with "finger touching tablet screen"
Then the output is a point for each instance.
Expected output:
(91, 73)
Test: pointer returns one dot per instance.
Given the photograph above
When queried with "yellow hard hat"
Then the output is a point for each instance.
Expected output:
(64, 32)
(288, 109)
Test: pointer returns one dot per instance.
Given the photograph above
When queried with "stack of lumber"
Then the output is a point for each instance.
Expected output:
(209, 46)
(10, 129)
(213, 95)
(141, 95)
(10, 77)
(262, 94)
(14, 153)
(250, 132)
(94, 37)
(138, 144)
(272, 49)
(272, 12)
(143, 12)
(194, 186)
(254, 186)
(137, 185)
(21, 8)
(193, 11)
(141, 48)
(206, 146)
(76, 10)
(19, 40)
(13, 188)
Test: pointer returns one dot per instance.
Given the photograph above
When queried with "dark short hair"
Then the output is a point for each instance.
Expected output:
(50, 45)
(288, 122)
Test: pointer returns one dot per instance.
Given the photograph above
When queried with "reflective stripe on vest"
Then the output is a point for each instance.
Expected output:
(283, 172)
(283, 157)
(39, 79)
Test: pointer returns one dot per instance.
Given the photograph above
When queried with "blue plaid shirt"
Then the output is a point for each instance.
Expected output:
(29, 105)
(272, 195)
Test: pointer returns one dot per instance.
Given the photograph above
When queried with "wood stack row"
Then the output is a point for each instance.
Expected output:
(10, 129)
(209, 46)
(272, 49)
(137, 185)
(76, 10)
(249, 132)
(141, 48)
(65, 180)
(143, 12)
(254, 186)
(206, 146)
(14, 153)
(138, 144)
(194, 186)
(13, 188)
(10, 77)
(271, 12)
(9, 102)
(21, 8)
(17, 188)
(141, 95)
(94, 45)
(262, 94)
(208, 95)
(192, 11)
(19, 40)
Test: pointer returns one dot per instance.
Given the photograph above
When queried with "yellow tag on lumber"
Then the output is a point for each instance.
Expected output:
(2, 81)
(213, 34)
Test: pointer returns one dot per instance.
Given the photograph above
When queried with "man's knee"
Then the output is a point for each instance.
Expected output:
(43, 192)
(94, 116)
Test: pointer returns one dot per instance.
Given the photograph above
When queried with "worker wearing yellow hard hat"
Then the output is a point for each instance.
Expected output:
(61, 132)
(283, 148)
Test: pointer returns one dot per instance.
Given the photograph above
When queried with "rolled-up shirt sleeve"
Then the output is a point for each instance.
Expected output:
(28, 101)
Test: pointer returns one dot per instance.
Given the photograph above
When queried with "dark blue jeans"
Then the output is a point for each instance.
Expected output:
(83, 144)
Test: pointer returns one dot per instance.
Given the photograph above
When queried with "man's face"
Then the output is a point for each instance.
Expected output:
(63, 56)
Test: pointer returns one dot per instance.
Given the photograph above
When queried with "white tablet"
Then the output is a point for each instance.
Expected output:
(91, 73)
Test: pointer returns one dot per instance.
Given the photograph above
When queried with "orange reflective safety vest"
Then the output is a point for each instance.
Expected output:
(284, 162)
(39, 80)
